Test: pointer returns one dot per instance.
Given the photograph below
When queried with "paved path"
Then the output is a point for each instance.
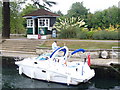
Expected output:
(66, 40)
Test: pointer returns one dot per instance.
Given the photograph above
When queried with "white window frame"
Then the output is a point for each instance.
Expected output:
(46, 22)
(30, 23)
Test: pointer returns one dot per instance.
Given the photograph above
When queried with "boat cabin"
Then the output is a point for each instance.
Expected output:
(40, 22)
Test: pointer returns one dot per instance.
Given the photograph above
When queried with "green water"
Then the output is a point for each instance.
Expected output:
(105, 79)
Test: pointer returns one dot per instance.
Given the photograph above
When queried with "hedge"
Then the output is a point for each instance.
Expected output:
(95, 35)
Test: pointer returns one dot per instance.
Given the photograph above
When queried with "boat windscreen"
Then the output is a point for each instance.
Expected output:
(42, 57)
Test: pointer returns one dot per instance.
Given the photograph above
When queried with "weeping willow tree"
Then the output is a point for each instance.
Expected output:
(46, 3)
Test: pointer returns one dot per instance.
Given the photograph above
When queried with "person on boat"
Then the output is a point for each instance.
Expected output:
(54, 45)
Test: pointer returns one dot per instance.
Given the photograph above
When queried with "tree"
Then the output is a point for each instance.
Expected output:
(45, 2)
(59, 13)
(15, 17)
(0, 16)
(103, 19)
(113, 14)
(89, 20)
(28, 9)
(6, 19)
(78, 10)
(16, 20)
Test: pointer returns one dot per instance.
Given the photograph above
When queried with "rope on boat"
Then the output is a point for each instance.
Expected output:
(115, 69)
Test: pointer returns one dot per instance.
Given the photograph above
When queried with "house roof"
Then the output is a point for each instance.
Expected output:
(41, 12)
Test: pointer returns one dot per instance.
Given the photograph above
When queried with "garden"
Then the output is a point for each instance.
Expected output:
(78, 23)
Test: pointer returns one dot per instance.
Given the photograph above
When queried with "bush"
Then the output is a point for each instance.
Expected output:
(113, 35)
(90, 34)
(106, 35)
(68, 33)
(82, 35)
(73, 32)
(99, 35)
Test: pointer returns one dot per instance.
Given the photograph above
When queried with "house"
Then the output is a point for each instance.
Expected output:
(40, 22)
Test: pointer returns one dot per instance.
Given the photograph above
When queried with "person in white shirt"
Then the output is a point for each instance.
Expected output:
(54, 45)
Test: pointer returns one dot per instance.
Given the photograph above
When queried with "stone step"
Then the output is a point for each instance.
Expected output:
(20, 41)
(25, 50)
(19, 48)
(21, 45)
(26, 43)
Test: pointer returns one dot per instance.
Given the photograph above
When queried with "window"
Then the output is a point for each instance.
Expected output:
(29, 22)
(46, 22)
(43, 22)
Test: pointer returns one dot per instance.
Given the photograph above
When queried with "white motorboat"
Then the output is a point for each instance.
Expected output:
(55, 67)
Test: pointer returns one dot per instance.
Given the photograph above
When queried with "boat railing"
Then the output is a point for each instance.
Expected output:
(115, 52)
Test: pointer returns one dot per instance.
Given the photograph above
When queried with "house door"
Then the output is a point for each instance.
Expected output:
(43, 24)
(36, 26)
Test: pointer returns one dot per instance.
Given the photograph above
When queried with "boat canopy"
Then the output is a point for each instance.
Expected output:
(63, 49)
(78, 50)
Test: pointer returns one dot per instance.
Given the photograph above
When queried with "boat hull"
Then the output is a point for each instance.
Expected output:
(55, 67)
(52, 76)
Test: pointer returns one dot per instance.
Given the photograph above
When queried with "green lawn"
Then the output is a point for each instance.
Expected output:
(82, 44)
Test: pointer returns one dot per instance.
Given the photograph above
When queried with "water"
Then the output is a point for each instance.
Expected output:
(105, 79)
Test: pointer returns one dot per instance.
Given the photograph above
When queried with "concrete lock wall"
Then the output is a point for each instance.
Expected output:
(95, 54)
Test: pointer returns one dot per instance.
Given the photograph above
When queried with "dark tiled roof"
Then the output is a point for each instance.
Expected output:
(41, 12)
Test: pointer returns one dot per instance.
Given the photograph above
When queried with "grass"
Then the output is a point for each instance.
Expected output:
(82, 44)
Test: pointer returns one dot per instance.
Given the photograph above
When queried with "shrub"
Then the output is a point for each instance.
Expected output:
(82, 35)
(90, 34)
(68, 33)
(106, 35)
(113, 35)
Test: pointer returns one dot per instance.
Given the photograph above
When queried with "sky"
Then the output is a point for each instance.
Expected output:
(93, 5)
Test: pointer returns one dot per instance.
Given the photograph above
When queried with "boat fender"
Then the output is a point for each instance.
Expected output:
(48, 77)
(20, 70)
(104, 54)
(32, 74)
(69, 80)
